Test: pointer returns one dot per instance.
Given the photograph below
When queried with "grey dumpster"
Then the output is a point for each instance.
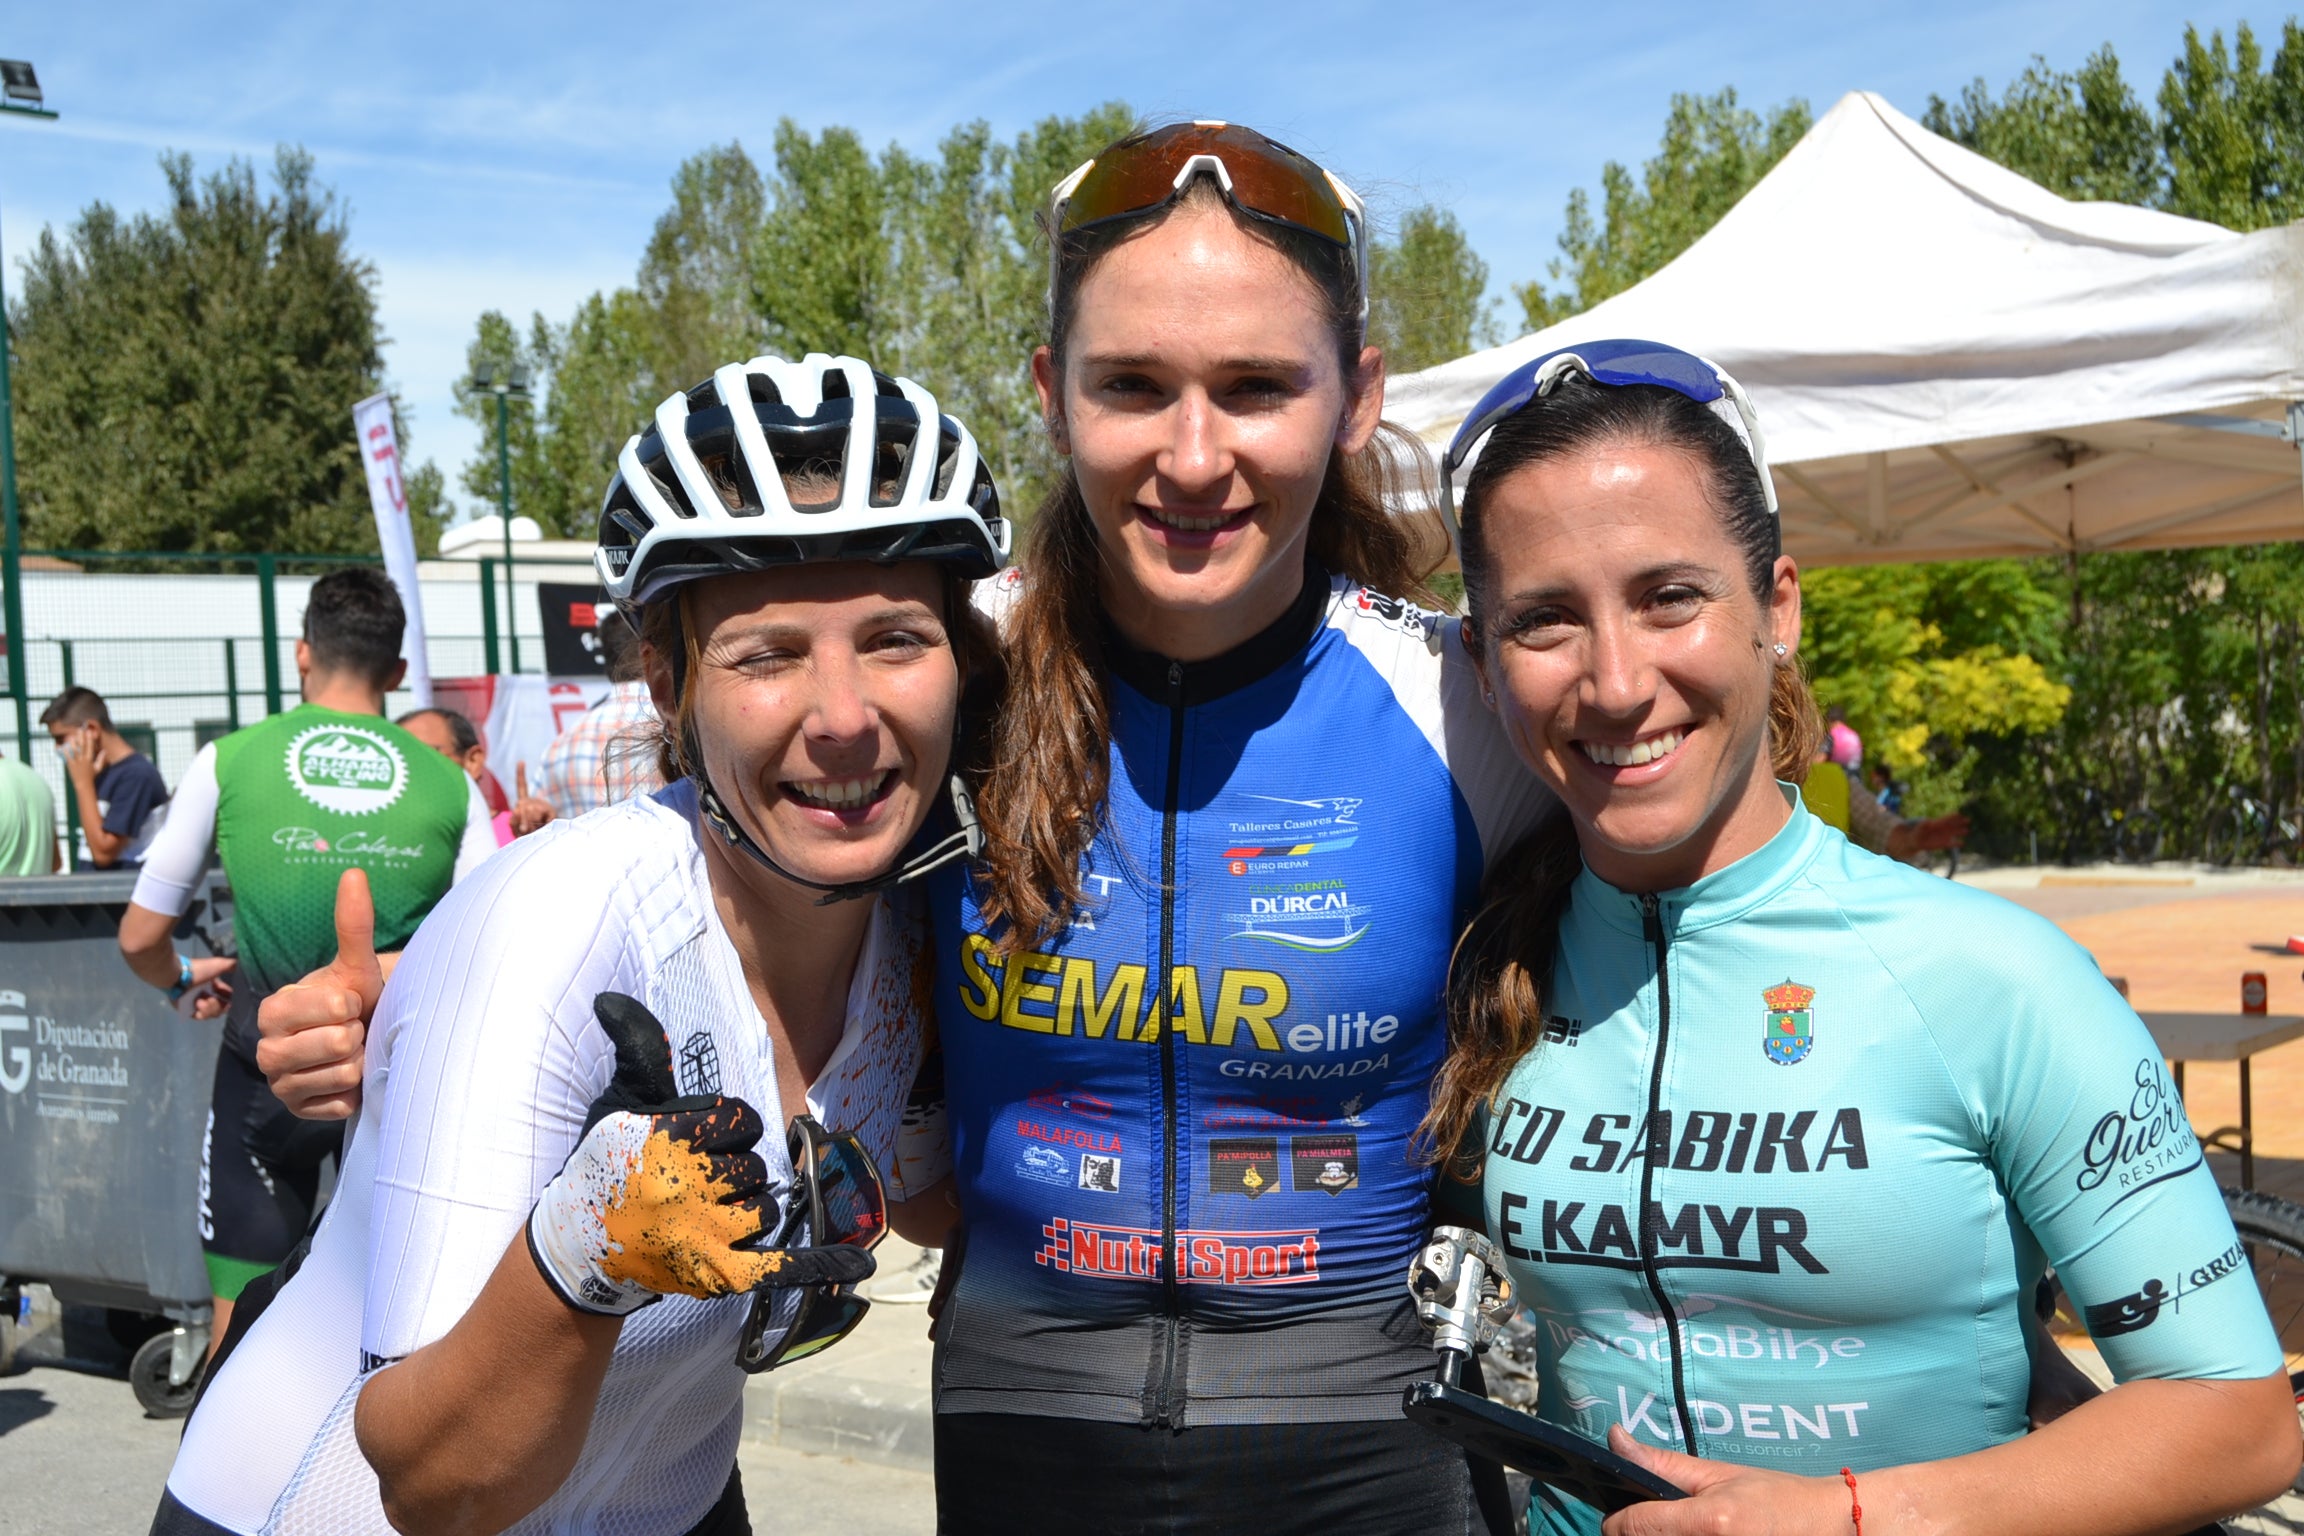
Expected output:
(103, 1099)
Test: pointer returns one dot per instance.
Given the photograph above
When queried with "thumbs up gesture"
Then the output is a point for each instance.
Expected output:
(311, 1034)
(664, 1195)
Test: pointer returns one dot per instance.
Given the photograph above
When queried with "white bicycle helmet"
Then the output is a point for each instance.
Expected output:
(703, 492)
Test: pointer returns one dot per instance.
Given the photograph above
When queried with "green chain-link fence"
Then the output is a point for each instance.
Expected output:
(185, 648)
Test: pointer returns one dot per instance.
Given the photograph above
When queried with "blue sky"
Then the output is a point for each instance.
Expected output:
(513, 155)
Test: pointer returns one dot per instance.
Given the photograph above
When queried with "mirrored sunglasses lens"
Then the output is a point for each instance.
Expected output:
(1673, 370)
(1127, 179)
(1280, 185)
(855, 1207)
(1266, 179)
(829, 1318)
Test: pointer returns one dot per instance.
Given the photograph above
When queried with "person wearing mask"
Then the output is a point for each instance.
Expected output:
(289, 804)
(120, 795)
(1875, 1106)
(605, 757)
(449, 733)
(622, 1080)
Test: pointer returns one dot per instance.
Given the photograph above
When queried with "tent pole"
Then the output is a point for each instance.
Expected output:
(2295, 433)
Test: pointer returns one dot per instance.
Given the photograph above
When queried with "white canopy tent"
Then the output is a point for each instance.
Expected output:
(1950, 361)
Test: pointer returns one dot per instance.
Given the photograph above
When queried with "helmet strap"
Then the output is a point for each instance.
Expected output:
(966, 843)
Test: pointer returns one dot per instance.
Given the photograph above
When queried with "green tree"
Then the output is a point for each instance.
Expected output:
(605, 376)
(971, 265)
(696, 275)
(1425, 293)
(2083, 135)
(2234, 131)
(185, 380)
(932, 266)
(1712, 152)
(497, 344)
(822, 261)
(1926, 658)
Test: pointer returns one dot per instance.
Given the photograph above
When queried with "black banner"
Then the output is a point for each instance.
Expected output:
(570, 612)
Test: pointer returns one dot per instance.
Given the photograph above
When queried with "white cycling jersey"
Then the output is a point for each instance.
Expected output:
(481, 1063)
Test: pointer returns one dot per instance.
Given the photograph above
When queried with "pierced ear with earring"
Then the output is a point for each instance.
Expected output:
(1782, 650)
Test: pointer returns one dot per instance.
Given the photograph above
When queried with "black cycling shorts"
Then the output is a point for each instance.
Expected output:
(999, 1472)
(259, 1175)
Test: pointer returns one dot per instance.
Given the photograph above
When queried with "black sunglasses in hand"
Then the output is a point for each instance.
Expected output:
(844, 1206)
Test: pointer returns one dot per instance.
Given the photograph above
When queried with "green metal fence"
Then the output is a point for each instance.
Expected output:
(186, 648)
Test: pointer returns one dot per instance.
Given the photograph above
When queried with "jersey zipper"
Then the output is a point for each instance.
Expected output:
(1652, 919)
(1167, 1408)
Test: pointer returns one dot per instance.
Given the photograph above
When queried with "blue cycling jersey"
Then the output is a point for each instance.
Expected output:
(1876, 1104)
(1194, 1203)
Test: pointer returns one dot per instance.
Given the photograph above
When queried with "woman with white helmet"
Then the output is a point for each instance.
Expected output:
(626, 1089)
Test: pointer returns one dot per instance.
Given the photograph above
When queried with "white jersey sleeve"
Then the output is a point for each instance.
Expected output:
(179, 851)
(479, 838)
(1424, 658)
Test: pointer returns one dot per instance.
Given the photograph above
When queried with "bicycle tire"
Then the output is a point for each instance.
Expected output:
(2272, 1230)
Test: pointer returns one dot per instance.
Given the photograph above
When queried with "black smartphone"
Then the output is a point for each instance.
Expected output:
(1558, 1458)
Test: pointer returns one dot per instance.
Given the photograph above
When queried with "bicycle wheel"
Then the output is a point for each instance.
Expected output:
(2272, 1230)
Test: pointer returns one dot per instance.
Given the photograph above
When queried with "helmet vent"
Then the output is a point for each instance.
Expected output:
(947, 458)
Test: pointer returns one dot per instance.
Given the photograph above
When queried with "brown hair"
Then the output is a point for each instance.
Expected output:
(1051, 747)
(1504, 959)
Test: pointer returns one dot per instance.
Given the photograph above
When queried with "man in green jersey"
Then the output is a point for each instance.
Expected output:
(290, 804)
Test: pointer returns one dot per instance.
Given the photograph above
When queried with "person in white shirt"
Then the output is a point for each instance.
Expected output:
(567, 1198)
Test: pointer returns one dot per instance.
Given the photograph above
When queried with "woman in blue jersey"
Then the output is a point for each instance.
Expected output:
(606, 1085)
(1241, 799)
(1778, 1135)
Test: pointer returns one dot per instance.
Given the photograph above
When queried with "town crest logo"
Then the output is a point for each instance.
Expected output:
(1791, 1028)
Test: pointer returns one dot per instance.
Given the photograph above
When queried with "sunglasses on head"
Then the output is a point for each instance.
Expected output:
(840, 1204)
(1613, 363)
(1261, 177)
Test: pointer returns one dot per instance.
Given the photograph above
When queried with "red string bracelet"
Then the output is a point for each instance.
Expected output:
(1855, 1510)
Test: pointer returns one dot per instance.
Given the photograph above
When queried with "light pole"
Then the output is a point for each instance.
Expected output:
(507, 383)
(20, 93)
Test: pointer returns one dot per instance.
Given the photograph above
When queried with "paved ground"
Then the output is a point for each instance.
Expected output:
(76, 1455)
(837, 1446)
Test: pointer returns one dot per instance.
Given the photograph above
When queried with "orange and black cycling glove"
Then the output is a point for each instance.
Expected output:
(665, 1194)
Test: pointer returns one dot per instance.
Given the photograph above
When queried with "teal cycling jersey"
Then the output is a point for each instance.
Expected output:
(1798, 1143)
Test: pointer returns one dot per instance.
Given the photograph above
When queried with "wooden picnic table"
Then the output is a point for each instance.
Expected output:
(2184, 1037)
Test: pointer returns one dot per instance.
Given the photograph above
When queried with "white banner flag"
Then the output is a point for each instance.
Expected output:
(380, 455)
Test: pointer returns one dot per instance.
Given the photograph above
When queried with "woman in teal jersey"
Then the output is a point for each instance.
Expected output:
(1778, 1136)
